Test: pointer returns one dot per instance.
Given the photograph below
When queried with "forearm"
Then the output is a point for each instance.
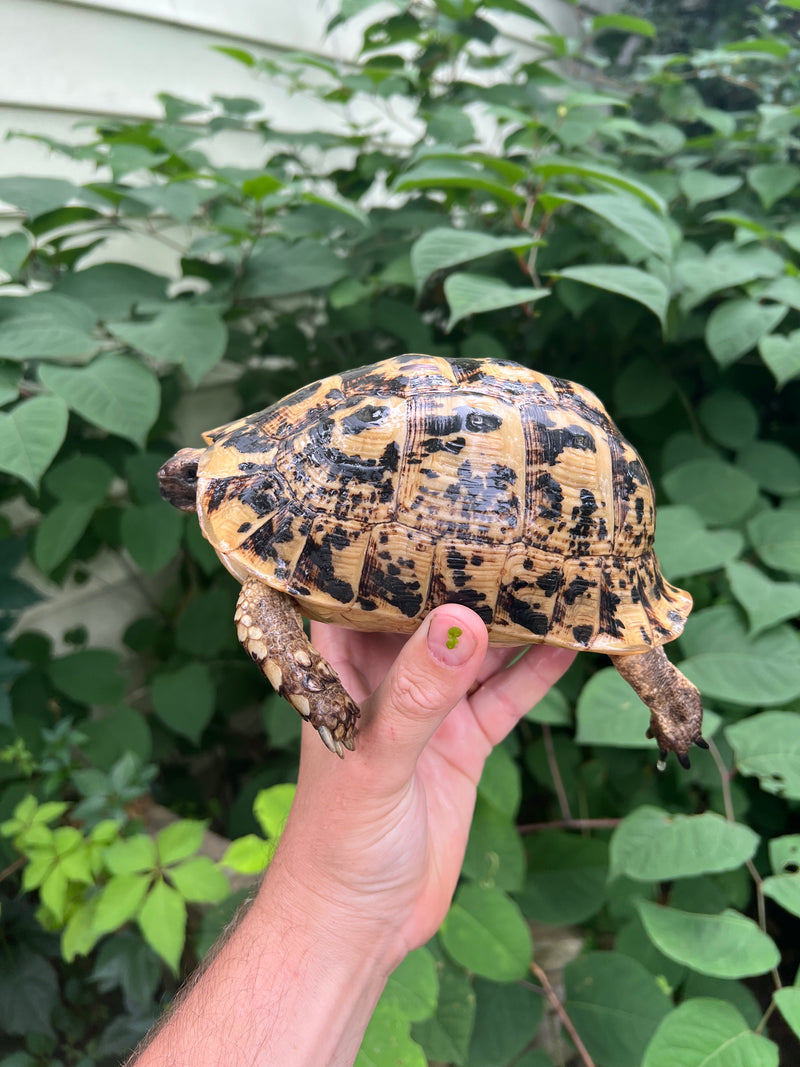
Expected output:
(288, 987)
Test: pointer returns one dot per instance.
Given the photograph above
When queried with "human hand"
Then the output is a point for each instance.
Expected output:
(371, 853)
(379, 838)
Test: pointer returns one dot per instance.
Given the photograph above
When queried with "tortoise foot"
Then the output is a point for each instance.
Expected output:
(676, 710)
(270, 628)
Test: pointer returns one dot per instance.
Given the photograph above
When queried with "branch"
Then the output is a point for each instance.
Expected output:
(559, 1009)
(569, 824)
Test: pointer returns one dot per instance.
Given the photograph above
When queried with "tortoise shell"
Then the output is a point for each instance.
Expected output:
(375, 495)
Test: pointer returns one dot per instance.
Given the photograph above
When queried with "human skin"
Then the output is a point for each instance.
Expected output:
(368, 863)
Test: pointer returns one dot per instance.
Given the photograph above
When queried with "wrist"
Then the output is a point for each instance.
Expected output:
(342, 923)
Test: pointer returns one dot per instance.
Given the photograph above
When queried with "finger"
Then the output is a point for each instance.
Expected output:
(433, 671)
(502, 700)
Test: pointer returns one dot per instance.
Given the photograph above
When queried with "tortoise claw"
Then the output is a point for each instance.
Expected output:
(701, 743)
(662, 759)
(330, 742)
(683, 759)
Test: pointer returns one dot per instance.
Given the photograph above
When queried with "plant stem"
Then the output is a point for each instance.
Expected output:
(566, 1022)
(727, 800)
(569, 824)
(12, 868)
(558, 781)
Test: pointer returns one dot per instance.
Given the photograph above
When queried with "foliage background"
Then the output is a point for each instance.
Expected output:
(609, 209)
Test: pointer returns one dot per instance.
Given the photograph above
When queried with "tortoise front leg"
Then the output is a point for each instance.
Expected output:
(676, 710)
(270, 628)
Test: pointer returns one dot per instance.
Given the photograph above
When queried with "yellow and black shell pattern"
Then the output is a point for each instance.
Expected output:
(375, 495)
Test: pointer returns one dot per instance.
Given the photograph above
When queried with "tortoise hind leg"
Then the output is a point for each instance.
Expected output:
(676, 710)
(270, 628)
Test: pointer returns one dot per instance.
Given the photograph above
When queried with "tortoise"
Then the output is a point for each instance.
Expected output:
(370, 497)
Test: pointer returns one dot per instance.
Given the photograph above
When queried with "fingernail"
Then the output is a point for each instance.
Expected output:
(448, 642)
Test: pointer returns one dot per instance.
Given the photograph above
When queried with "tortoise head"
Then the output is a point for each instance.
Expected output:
(177, 479)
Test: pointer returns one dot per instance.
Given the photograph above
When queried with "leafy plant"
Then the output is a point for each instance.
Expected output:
(632, 227)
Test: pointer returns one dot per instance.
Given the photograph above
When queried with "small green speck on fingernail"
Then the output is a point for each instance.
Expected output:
(453, 635)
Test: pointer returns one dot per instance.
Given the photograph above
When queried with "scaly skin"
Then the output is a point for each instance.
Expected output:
(270, 628)
(676, 710)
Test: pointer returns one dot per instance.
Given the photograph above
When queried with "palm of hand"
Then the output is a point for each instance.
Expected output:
(390, 823)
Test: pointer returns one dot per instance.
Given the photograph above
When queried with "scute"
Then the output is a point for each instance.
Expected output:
(374, 495)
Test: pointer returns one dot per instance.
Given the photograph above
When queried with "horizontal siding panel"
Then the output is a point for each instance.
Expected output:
(296, 24)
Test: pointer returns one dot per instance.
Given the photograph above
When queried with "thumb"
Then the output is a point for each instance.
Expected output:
(433, 671)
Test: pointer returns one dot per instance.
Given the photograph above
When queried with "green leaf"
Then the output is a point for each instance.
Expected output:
(48, 326)
(184, 699)
(615, 1005)
(446, 1036)
(485, 932)
(206, 623)
(642, 388)
(704, 1032)
(784, 853)
(444, 247)
(723, 946)
(784, 889)
(782, 355)
(248, 855)
(131, 855)
(163, 922)
(276, 268)
(719, 492)
(627, 214)
(553, 709)
(626, 281)
(772, 181)
(200, 881)
(120, 900)
(596, 173)
(80, 480)
(566, 878)
(152, 534)
(624, 24)
(30, 436)
(113, 290)
(34, 196)
(729, 417)
(495, 854)
(59, 532)
(749, 671)
(413, 986)
(685, 547)
(507, 1017)
(768, 746)
(387, 1040)
(736, 326)
(610, 713)
(788, 1001)
(454, 174)
(650, 845)
(179, 840)
(450, 125)
(775, 467)
(699, 186)
(190, 335)
(14, 249)
(471, 294)
(29, 988)
(113, 392)
(767, 603)
(90, 676)
(775, 535)
(726, 267)
(10, 378)
(500, 782)
(271, 808)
